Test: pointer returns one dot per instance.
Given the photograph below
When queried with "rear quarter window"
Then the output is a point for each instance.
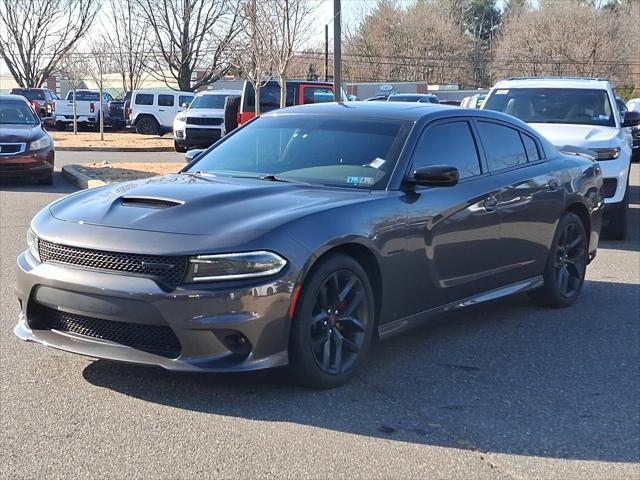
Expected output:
(502, 145)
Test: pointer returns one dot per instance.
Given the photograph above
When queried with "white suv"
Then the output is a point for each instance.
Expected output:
(581, 112)
(202, 124)
(152, 112)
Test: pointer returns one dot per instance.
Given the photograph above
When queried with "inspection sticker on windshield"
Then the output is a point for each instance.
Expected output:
(502, 92)
(377, 163)
(361, 180)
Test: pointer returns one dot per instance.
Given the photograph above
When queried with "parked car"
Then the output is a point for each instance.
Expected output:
(633, 105)
(348, 223)
(26, 149)
(299, 92)
(153, 112)
(413, 97)
(581, 112)
(116, 110)
(41, 99)
(475, 101)
(87, 110)
(377, 98)
(202, 123)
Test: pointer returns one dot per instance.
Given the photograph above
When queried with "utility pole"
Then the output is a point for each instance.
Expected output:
(337, 52)
(326, 52)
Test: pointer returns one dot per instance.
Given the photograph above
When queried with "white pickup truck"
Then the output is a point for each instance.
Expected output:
(88, 106)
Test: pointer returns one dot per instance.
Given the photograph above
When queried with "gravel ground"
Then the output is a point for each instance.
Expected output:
(111, 139)
(501, 391)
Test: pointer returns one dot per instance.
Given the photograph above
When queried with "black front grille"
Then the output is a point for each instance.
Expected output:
(160, 340)
(10, 148)
(209, 134)
(170, 269)
(609, 186)
(203, 121)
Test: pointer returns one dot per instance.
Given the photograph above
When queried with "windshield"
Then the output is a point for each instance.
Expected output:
(554, 105)
(17, 112)
(29, 94)
(328, 150)
(208, 101)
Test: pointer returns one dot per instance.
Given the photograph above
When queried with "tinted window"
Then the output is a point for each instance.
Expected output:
(269, 97)
(215, 101)
(502, 146)
(554, 105)
(165, 100)
(144, 99)
(348, 152)
(448, 144)
(28, 94)
(531, 147)
(17, 112)
(182, 99)
(84, 96)
(317, 95)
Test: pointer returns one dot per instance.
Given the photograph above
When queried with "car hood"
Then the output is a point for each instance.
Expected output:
(579, 135)
(19, 133)
(204, 112)
(223, 206)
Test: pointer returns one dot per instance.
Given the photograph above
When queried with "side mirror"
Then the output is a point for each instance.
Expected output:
(631, 119)
(184, 105)
(435, 176)
(192, 154)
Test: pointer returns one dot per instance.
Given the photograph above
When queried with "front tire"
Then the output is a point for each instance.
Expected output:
(179, 148)
(333, 323)
(566, 265)
(617, 227)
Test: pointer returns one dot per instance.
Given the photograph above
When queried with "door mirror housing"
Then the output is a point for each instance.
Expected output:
(435, 176)
(631, 119)
(192, 154)
(184, 105)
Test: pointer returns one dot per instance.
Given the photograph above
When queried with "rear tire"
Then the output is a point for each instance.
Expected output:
(231, 109)
(566, 265)
(333, 324)
(147, 126)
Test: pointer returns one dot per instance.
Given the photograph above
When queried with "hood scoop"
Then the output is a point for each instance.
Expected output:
(149, 202)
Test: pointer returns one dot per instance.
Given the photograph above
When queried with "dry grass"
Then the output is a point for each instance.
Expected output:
(122, 172)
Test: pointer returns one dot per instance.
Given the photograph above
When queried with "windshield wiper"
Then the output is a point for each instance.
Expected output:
(274, 178)
(200, 174)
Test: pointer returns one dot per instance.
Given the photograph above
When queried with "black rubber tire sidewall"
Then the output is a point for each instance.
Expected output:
(302, 365)
(147, 126)
(549, 295)
(179, 148)
(231, 109)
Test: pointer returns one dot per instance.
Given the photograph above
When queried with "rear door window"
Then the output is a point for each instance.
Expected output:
(144, 99)
(316, 95)
(269, 97)
(502, 146)
(165, 100)
(450, 144)
(531, 147)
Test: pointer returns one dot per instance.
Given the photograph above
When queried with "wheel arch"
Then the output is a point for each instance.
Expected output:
(145, 115)
(366, 256)
(581, 211)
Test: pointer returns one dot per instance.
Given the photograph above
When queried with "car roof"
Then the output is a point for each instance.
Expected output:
(416, 95)
(22, 89)
(167, 92)
(554, 82)
(5, 98)
(399, 111)
(219, 92)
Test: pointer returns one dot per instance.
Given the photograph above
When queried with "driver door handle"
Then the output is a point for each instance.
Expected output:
(554, 184)
(490, 204)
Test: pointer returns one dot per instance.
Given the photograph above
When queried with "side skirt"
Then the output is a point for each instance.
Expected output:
(392, 328)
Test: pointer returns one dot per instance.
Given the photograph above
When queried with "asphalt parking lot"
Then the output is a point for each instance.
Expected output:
(504, 390)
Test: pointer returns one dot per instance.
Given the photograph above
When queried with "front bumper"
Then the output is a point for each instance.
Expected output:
(28, 164)
(218, 329)
(188, 136)
(80, 118)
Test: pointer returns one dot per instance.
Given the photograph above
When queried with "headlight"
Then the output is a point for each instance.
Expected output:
(32, 241)
(181, 117)
(233, 266)
(607, 153)
(42, 142)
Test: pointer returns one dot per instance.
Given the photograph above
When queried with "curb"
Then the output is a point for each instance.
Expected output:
(79, 179)
(115, 149)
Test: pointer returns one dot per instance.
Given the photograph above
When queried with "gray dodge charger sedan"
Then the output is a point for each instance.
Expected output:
(307, 234)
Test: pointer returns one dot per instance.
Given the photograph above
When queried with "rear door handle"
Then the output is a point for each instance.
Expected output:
(490, 204)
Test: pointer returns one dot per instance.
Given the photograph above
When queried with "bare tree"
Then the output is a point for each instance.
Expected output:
(191, 36)
(100, 63)
(252, 50)
(127, 38)
(36, 34)
(289, 27)
(74, 66)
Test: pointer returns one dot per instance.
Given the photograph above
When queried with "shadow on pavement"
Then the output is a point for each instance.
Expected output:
(60, 185)
(509, 377)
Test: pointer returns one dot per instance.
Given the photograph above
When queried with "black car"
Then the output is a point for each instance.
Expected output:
(301, 237)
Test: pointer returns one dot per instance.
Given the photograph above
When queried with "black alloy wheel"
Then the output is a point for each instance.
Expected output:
(333, 323)
(338, 322)
(566, 264)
